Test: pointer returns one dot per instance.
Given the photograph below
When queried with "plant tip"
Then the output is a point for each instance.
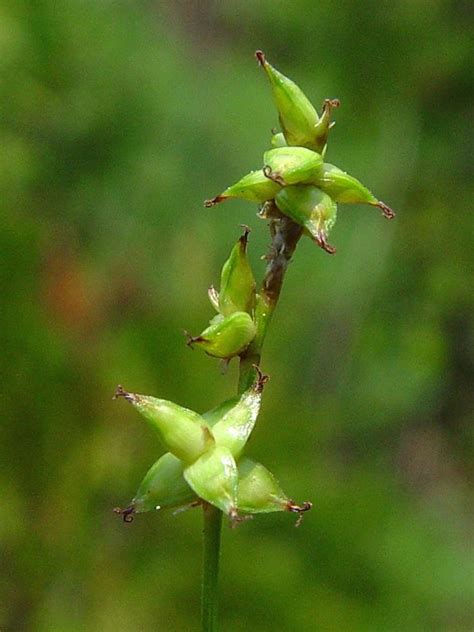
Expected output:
(322, 243)
(121, 392)
(386, 210)
(331, 103)
(299, 509)
(261, 379)
(127, 514)
(260, 55)
(190, 340)
(247, 231)
(213, 201)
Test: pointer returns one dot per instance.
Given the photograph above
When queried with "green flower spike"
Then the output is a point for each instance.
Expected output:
(163, 487)
(237, 292)
(346, 189)
(298, 117)
(213, 477)
(259, 492)
(309, 207)
(185, 433)
(291, 165)
(227, 336)
(254, 187)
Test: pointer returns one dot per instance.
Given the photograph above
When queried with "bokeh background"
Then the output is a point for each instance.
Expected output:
(117, 120)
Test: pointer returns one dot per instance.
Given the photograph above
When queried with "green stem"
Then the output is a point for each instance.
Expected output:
(209, 597)
(285, 237)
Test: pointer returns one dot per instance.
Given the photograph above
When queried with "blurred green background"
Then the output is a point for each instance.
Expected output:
(117, 119)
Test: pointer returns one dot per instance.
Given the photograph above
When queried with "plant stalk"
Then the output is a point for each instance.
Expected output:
(285, 237)
(211, 553)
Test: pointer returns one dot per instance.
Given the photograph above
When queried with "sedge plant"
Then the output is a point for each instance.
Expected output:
(205, 464)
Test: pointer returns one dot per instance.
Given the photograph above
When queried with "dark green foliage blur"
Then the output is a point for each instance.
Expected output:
(117, 119)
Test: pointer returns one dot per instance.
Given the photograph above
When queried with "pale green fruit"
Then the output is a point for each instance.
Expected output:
(213, 477)
(259, 491)
(236, 423)
(253, 187)
(311, 208)
(226, 336)
(163, 487)
(237, 290)
(292, 165)
(184, 432)
(346, 189)
(298, 118)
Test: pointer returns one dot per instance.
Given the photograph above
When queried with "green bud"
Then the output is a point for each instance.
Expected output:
(254, 187)
(278, 140)
(213, 477)
(346, 189)
(309, 207)
(259, 492)
(237, 293)
(298, 117)
(237, 422)
(184, 432)
(226, 336)
(163, 487)
(291, 165)
(324, 125)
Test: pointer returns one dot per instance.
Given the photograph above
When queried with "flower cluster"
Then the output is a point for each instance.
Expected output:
(204, 462)
(233, 328)
(294, 179)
